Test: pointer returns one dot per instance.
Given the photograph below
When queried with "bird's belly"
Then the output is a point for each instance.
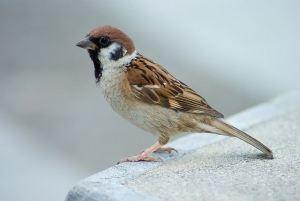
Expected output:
(151, 118)
(154, 119)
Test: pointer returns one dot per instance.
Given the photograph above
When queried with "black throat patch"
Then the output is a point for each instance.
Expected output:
(97, 64)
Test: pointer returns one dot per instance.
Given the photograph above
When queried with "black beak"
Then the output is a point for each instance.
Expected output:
(87, 44)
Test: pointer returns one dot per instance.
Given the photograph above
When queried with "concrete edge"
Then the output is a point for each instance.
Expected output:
(103, 185)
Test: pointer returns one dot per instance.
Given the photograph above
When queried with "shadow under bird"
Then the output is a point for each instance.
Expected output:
(147, 95)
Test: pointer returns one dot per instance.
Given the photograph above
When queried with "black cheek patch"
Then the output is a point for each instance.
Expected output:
(117, 54)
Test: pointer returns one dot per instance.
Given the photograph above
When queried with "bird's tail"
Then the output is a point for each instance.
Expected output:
(232, 131)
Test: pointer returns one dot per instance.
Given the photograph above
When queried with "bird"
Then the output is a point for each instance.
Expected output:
(147, 95)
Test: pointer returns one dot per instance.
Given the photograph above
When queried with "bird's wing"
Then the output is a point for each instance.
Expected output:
(153, 84)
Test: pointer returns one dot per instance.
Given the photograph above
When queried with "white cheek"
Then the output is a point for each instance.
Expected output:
(105, 53)
(105, 57)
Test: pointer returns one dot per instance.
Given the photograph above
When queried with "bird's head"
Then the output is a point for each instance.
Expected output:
(106, 45)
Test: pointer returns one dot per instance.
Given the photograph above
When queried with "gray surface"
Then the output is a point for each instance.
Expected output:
(219, 169)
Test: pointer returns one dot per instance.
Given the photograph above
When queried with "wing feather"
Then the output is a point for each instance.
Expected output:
(153, 84)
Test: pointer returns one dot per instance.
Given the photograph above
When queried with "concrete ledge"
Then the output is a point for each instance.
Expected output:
(211, 167)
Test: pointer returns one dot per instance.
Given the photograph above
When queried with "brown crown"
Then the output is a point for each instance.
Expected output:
(115, 35)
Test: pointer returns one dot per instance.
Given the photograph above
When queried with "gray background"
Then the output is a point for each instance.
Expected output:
(55, 125)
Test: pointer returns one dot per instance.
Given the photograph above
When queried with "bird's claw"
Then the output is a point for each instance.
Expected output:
(166, 150)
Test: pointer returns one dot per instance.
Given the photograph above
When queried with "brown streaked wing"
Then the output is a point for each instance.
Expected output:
(151, 83)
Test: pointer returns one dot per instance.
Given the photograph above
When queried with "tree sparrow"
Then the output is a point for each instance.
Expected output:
(147, 95)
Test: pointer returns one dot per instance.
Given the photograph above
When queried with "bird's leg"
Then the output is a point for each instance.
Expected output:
(163, 139)
(145, 155)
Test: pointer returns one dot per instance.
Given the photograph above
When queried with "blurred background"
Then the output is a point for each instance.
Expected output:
(56, 128)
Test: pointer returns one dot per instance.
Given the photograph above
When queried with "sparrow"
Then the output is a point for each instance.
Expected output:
(147, 95)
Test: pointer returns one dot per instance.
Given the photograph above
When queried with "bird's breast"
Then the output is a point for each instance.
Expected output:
(112, 85)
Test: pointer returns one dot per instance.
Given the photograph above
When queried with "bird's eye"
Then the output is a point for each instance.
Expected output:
(104, 41)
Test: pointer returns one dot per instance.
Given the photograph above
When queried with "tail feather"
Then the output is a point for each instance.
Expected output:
(232, 131)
